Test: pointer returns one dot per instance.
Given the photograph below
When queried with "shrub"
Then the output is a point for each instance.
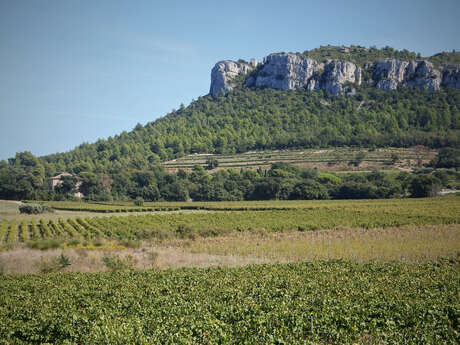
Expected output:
(139, 201)
(54, 264)
(34, 208)
(184, 231)
(116, 263)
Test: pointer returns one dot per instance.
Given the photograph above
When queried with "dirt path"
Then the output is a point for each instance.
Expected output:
(12, 202)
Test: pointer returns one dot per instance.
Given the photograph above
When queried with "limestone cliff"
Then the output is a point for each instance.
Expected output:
(223, 74)
(421, 74)
(288, 71)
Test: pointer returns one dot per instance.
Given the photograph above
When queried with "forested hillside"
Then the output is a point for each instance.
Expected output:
(248, 119)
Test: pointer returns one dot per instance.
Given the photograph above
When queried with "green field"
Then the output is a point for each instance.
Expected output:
(307, 272)
(306, 303)
(228, 217)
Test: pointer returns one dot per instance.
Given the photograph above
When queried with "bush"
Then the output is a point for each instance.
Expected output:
(116, 263)
(34, 208)
(139, 201)
(184, 231)
(55, 264)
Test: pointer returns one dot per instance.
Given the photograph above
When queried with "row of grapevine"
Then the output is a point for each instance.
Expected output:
(23, 231)
(325, 215)
(95, 232)
(45, 230)
(334, 302)
(12, 232)
(34, 230)
(3, 229)
(57, 230)
(71, 232)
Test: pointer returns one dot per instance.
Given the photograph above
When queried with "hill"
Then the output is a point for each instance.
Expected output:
(248, 117)
(261, 119)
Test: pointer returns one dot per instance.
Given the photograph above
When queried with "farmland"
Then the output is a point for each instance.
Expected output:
(305, 303)
(271, 272)
(224, 218)
(333, 159)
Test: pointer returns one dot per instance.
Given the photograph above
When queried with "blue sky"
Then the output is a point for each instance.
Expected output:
(75, 71)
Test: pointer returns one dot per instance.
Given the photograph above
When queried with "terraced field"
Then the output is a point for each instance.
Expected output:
(336, 159)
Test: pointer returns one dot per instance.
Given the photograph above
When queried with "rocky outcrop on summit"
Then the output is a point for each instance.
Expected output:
(290, 72)
(287, 71)
(224, 72)
(284, 72)
(421, 74)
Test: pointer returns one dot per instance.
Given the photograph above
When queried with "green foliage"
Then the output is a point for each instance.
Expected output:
(448, 158)
(34, 208)
(348, 303)
(44, 244)
(243, 120)
(425, 185)
(55, 264)
(212, 163)
(139, 201)
(273, 216)
(362, 55)
(116, 263)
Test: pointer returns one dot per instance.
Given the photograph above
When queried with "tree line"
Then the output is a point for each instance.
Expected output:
(282, 181)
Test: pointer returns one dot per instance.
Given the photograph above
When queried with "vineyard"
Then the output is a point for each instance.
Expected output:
(230, 217)
(360, 295)
(335, 302)
(335, 159)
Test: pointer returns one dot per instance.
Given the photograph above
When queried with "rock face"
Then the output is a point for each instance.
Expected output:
(286, 71)
(451, 76)
(337, 74)
(224, 72)
(421, 74)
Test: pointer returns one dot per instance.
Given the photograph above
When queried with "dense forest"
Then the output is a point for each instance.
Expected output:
(254, 119)
(247, 119)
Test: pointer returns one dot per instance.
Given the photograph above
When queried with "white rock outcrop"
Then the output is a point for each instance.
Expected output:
(337, 74)
(223, 74)
(287, 71)
(421, 74)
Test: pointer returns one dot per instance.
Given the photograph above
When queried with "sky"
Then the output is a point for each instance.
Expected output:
(76, 71)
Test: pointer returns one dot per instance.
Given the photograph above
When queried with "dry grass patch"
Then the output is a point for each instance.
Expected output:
(23, 261)
(412, 243)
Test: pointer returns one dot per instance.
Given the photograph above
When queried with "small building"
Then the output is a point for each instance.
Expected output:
(57, 180)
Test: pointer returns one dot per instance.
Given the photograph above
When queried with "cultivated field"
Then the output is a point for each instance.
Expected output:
(272, 272)
(230, 217)
(334, 159)
(334, 302)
